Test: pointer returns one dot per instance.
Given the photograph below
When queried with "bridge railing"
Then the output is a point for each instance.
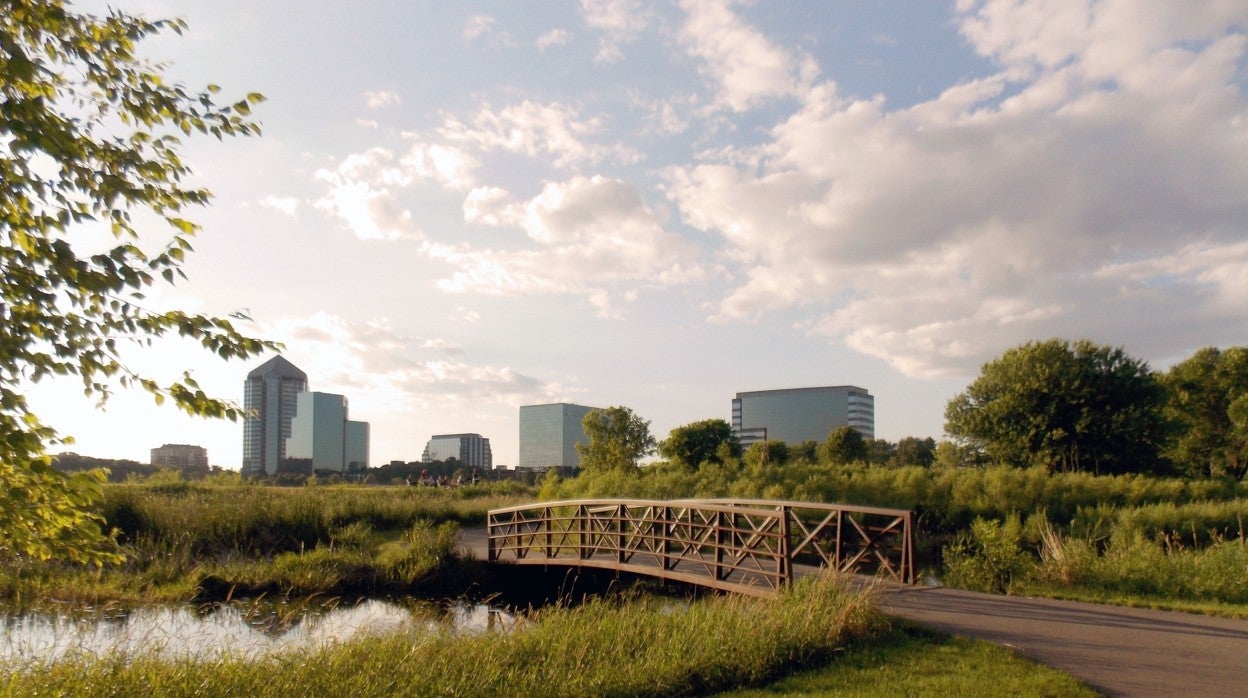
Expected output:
(749, 546)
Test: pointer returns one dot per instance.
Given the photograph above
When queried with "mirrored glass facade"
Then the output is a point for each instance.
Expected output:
(802, 414)
(549, 434)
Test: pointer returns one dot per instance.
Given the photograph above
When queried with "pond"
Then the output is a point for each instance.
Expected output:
(244, 628)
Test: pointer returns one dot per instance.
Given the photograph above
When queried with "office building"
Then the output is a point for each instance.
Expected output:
(549, 434)
(801, 414)
(180, 456)
(472, 450)
(269, 396)
(323, 438)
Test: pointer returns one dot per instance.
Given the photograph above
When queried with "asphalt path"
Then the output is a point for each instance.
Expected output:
(1119, 651)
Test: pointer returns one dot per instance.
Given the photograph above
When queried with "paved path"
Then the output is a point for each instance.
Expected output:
(1120, 651)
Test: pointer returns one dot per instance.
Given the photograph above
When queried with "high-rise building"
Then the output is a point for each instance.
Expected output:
(357, 446)
(269, 396)
(322, 438)
(549, 434)
(180, 456)
(472, 450)
(801, 414)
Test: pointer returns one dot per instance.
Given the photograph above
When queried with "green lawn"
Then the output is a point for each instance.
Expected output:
(911, 661)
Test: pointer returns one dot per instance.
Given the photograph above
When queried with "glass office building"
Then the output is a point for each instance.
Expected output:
(269, 396)
(802, 414)
(549, 434)
(469, 449)
(322, 438)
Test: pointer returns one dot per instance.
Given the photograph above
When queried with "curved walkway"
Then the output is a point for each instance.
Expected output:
(1120, 651)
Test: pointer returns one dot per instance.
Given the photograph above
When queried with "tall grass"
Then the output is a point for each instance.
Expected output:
(602, 648)
(202, 541)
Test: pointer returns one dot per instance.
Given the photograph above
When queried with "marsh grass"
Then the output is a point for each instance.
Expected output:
(187, 541)
(601, 648)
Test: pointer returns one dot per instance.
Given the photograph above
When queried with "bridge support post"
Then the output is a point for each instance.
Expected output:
(784, 559)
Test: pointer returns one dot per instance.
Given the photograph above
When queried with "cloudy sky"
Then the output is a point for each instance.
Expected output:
(458, 208)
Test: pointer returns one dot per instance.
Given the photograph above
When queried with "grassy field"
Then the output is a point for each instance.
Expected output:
(188, 541)
(818, 639)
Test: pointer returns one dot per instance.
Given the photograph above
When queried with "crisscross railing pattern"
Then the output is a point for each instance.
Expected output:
(747, 546)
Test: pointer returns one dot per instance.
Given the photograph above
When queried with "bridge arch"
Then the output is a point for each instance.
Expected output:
(749, 546)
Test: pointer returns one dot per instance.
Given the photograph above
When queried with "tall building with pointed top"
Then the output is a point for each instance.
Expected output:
(269, 396)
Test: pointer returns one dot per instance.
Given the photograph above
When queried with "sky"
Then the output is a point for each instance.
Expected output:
(459, 208)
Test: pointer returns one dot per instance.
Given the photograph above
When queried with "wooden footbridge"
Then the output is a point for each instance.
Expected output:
(747, 546)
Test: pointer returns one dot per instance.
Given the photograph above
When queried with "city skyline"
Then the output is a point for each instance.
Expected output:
(459, 209)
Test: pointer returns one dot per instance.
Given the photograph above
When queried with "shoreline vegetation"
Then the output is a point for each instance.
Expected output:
(1127, 539)
(605, 647)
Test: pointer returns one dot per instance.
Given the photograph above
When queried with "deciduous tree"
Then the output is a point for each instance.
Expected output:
(90, 135)
(618, 439)
(706, 441)
(844, 445)
(1200, 395)
(915, 451)
(1080, 406)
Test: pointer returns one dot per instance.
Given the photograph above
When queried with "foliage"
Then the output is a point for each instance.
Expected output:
(210, 538)
(601, 648)
(844, 445)
(1204, 394)
(618, 439)
(915, 451)
(89, 134)
(989, 558)
(1066, 407)
(706, 441)
(880, 452)
(769, 452)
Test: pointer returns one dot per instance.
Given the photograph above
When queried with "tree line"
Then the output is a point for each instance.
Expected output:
(1067, 406)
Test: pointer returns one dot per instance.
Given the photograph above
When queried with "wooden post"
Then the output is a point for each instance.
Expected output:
(785, 563)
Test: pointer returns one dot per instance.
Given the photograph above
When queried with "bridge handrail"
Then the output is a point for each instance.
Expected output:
(769, 534)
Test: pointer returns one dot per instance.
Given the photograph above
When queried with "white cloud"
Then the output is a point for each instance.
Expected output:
(285, 205)
(1094, 187)
(477, 25)
(451, 167)
(747, 68)
(492, 206)
(362, 194)
(620, 21)
(381, 369)
(534, 129)
(381, 98)
(554, 37)
(593, 235)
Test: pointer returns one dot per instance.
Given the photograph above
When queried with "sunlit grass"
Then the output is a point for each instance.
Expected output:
(602, 648)
(913, 662)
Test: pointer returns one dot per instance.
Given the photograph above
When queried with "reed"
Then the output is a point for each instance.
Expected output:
(601, 648)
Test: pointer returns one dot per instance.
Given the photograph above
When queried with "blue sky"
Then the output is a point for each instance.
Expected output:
(460, 208)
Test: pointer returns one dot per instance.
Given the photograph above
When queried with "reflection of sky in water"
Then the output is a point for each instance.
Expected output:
(238, 629)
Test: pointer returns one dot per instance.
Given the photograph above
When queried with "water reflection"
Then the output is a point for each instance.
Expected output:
(247, 629)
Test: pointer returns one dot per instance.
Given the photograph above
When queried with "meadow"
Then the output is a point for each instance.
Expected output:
(607, 647)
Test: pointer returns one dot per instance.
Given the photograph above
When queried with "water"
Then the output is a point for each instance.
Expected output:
(247, 629)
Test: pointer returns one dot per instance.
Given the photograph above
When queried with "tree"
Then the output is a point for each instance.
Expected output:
(707, 441)
(915, 451)
(844, 445)
(1068, 407)
(618, 439)
(881, 451)
(768, 452)
(89, 134)
(1200, 395)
